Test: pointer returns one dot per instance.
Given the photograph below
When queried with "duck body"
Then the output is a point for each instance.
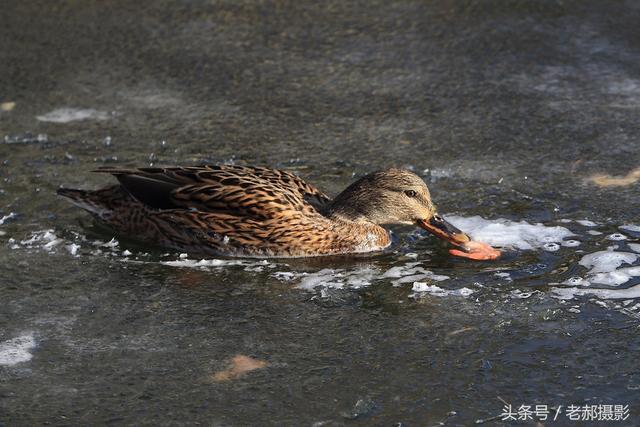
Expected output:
(232, 211)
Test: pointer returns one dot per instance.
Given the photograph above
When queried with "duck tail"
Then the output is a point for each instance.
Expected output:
(88, 200)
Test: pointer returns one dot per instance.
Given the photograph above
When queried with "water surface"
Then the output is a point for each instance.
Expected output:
(505, 108)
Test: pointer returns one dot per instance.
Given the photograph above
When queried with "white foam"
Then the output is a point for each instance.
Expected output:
(203, 263)
(421, 288)
(410, 272)
(605, 269)
(46, 239)
(616, 277)
(66, 115)
(285, 275)
(505, 233)
(326, 277)
(113, 243)
(359, 277)
(606, 261)
(73, 249)
(17, 350)
(594, 232)
(586, 223)
(632, 228)
(569, 293)
(634, 247)
(11, 215)
(336, 279)
(403, 270)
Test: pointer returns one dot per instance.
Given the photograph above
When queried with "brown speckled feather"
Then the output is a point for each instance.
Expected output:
(226, 210)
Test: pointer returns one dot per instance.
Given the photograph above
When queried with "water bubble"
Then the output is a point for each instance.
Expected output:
(571, 243)
(616, 236)
(551, 247)
(576, 281)
(106, 141)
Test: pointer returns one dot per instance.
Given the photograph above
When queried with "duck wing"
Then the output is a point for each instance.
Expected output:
(258, 193)
(289, 181)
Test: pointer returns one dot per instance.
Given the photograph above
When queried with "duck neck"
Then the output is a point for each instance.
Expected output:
(347, 213)
(349, 216)
(347, 207)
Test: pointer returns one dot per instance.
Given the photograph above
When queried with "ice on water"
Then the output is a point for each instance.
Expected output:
(411, 272)
(337, 279)
(631, 229)
(569, 293)
(420, 289)
(66, 115)
(361, 277)
(202, 263)
(606, 261)
(7, 217)
(608, 267)
(17, 350)
(611, 267)
(614, 267)
(45, 239)
(616, 277)
(511, 234)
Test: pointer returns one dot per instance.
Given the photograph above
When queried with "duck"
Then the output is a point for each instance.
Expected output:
(244, 211)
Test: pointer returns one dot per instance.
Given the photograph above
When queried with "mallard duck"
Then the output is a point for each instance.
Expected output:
(261, 212)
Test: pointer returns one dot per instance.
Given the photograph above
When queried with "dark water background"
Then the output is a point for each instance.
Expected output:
(504, 107)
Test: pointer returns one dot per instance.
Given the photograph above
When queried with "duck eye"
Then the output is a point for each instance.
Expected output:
(410, 193)
(437, 218)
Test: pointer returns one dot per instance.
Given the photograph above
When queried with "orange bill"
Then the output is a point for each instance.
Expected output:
(477, 250)
(444, 230)
(465, 247)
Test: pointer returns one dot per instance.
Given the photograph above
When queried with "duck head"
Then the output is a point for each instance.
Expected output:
(394, 196)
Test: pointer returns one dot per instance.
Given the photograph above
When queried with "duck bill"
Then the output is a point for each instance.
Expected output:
(444, 230)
